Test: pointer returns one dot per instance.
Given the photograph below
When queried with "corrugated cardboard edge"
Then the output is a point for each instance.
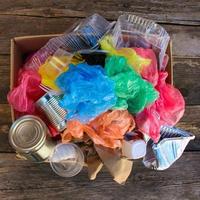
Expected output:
(12, 74)
(13, 49)
(169, 68)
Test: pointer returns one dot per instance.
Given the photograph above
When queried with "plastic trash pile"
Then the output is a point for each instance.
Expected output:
(107, 83)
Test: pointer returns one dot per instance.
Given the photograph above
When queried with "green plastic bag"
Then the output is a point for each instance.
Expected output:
(133, 92)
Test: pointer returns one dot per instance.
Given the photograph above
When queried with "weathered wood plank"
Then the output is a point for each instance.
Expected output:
(185, 39)
(178, 12)
(5, 123)
(186, 78)
(4, 77)
(181, 181)
(190, 122)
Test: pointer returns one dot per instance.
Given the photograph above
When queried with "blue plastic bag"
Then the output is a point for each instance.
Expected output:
(88, 92)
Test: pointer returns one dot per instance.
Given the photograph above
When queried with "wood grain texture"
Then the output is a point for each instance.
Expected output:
(179, 12)
(24, 180)
(185, 39)
(189, 122)
(180, 182)
(186, 78)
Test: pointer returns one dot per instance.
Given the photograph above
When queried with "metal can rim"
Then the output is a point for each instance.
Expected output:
(34, 147)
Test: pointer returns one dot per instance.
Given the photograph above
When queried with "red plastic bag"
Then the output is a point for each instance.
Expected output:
(166, 110)
(149, 72)
(27, 92)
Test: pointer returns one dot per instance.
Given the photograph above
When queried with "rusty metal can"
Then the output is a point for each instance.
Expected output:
(29, 136)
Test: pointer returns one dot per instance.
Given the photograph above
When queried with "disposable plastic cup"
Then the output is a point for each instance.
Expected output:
(67, 160)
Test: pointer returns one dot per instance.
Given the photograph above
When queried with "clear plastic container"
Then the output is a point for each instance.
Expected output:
(84, 36)
(67, 160)
(135, 31)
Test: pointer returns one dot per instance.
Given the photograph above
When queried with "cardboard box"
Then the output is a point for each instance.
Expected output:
(22, 46)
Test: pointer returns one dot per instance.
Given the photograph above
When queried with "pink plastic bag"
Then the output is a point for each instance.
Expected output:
(166, 110)
(150, 72)
(27, 92)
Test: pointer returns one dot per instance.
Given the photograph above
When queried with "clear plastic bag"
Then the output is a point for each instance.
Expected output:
(170, 147)
(166, 110)
(84, 36)
(27, 92)
(87, 92)
(135, 31)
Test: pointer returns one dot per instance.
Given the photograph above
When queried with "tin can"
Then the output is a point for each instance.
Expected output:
(49, 104)
(28, 135)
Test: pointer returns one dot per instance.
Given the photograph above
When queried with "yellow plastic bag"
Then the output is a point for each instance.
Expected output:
(135, 60)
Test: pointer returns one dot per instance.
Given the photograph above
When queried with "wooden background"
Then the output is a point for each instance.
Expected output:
(181, 18)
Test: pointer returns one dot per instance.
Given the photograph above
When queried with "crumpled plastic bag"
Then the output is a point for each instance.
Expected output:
(28, 91)
(53, 67)
(134, 59)
(134, 31)
(149, 72)
(82, 35)
(166, 110)
(107, 130)
(88, 92)
(133, 92)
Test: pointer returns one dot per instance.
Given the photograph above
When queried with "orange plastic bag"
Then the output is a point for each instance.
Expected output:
(107, 129)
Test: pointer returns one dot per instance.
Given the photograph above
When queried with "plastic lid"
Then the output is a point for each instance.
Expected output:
(138, 149)
(67, 160)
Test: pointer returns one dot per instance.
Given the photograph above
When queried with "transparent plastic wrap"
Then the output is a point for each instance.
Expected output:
(170, 147)
(53, 67)
(135, 31)
(84, 36)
